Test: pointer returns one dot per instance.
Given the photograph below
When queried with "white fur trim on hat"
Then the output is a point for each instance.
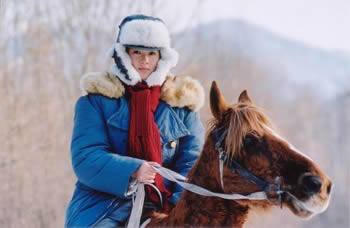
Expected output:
(147, 33)
(169, 58)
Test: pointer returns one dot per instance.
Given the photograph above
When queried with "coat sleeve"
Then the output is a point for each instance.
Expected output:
(92, 160)
(189, 149)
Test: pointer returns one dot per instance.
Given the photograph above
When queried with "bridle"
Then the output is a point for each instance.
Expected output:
(235, 167)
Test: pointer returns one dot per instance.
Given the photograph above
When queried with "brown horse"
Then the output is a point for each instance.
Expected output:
(256, 156)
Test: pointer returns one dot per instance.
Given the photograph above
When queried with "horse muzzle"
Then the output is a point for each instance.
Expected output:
(311, 196)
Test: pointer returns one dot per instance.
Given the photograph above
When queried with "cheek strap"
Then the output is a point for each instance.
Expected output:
(221, 168)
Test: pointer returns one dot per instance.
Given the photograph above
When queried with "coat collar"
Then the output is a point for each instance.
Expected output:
(177, 91)
(164, 117)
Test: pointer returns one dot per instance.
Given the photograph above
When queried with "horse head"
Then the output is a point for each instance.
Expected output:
(269, 162)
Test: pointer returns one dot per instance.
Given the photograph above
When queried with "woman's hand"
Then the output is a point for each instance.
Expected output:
(145, 173)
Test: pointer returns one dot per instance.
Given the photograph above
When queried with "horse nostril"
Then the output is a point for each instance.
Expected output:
(311, 185)
(329, 187)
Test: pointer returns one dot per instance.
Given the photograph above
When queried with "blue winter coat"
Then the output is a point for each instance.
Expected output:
(100, 138)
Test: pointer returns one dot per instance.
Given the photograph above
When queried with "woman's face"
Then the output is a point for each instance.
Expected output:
(144, 61)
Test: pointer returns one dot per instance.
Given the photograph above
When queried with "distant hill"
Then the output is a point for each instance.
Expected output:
(305, 90)
(325, 72)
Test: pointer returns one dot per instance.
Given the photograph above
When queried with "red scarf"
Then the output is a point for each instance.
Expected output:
(144, 137)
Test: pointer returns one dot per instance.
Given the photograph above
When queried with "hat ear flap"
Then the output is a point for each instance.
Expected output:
(120, 65)
(123, 67)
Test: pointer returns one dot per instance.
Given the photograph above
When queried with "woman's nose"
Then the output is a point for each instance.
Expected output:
(144, 58)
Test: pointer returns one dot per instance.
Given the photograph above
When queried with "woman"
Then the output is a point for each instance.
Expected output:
(133, 116)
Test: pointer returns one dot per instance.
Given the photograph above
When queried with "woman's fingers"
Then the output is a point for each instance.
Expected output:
(153, 163)
(149, 169)
(147, 179)
(145, 173)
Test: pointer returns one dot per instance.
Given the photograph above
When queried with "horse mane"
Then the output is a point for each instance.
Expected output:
(240, 119)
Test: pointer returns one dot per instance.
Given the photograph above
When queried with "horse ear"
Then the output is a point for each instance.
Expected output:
(218, 104)
(244, 98)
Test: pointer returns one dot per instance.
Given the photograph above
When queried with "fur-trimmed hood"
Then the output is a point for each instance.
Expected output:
(177, 91)
(142, 32)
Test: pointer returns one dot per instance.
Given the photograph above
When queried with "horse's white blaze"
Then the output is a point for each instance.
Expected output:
(315, 204)
(289, 144)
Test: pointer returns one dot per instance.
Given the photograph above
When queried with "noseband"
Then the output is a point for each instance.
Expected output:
(235, 167)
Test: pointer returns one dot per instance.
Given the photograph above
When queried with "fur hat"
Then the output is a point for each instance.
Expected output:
(142, 32)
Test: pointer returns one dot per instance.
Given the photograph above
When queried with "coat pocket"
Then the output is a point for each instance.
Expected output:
(118, 125)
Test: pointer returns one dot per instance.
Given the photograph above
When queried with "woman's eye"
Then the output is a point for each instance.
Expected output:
(154, 53)
(136, 52)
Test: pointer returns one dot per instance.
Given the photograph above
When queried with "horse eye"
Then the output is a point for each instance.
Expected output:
(250, 141)
(254, 144)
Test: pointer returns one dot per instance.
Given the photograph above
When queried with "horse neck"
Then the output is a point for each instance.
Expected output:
(193, 209)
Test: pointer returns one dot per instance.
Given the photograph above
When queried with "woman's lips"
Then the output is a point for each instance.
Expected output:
(144, 69)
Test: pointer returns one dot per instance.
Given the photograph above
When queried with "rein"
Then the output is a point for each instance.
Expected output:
(235, 167)
(135, 216)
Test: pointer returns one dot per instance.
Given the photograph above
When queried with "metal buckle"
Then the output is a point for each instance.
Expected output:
(223, 155)
(273, 190)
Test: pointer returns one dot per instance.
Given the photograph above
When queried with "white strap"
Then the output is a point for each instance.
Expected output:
(137, 205)
(145, 223)
(180, 180)
(221, 170)
(135, 216)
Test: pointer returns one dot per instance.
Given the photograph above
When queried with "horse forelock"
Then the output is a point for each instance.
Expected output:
(241, 119)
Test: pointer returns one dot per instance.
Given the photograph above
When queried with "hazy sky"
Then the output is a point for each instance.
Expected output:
(321, 23)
